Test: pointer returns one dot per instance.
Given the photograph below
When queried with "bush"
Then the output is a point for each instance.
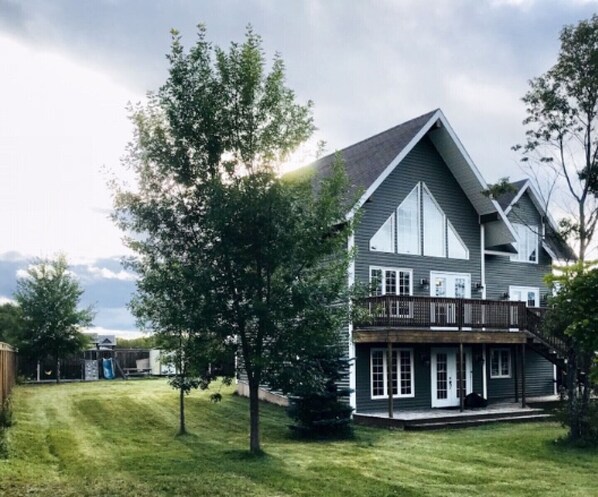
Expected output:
(321, 415)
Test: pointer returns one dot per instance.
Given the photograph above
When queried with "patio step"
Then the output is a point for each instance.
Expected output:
(465, 422)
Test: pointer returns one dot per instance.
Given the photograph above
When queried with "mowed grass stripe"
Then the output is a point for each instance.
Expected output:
(119, 438)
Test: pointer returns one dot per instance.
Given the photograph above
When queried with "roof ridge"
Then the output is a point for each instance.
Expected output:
(361, 142)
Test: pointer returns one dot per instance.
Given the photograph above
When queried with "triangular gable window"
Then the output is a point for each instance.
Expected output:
(434, 226)
(456, 247)
(419, 219)
(408, 224)
(384, 239)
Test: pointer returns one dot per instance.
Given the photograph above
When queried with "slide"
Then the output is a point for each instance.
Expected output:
(108, 369)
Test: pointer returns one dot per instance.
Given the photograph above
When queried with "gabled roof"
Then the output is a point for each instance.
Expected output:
(369, 162)
(507, 199)
(366, 160)
(553, 243)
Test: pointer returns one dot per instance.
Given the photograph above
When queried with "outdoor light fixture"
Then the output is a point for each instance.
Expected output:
(505, 295)
(425, 283)
(478, 286)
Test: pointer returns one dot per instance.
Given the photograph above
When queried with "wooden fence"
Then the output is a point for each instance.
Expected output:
(8, 370)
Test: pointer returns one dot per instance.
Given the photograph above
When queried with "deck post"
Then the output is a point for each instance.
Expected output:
(460, 372)
(515, 372)
(389, 378)
(523, 375)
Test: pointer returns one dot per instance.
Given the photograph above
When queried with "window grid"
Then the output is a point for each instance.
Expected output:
(402, 375)
(500, 363)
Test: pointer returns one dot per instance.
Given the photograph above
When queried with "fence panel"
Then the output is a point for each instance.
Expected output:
(8, 370)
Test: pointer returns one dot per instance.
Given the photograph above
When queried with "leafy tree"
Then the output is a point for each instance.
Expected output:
(258, 261)
(11, 323)
(49, 301)
(573, 317)
(166, 305)
(561, 147)
(144, 342)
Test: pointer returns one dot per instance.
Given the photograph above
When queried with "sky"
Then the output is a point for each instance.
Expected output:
(68, 69)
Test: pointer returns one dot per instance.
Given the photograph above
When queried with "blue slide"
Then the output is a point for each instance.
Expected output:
(108, 369)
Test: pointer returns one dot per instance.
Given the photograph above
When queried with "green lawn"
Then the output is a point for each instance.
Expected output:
(117, 439)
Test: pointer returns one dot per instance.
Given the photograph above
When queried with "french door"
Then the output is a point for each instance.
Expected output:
(449, 285)
(446, 381)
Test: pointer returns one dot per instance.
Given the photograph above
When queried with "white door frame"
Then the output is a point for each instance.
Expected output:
(452, 398)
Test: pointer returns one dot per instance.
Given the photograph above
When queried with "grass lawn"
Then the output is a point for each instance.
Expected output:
(118, 439)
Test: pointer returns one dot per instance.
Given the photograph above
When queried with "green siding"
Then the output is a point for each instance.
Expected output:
(423, 163)
(501, 272)
(422, 379)
(538, 378)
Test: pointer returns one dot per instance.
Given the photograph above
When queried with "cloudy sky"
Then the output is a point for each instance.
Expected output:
(68, 69)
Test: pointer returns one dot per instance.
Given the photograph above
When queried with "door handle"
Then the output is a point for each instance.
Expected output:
(450, 382)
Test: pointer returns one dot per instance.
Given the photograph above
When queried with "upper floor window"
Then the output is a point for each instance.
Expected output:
(384, 239)
(408, 221)
(526, 244)
(422, 229)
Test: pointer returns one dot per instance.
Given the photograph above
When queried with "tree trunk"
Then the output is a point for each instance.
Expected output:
(254, 418)
(57, 370)
(572, 394)
(182, 427)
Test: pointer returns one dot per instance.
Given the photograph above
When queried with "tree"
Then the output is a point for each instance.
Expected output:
(11, 323)
(561, 147)
(260, 261)
(322, 409)
(573, 317)
(164, 304)
(49, 301)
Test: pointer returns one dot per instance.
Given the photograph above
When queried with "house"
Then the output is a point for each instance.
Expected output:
(457, 277)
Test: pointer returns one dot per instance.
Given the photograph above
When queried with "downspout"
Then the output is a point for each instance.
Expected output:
(483, 259)
(351, 348)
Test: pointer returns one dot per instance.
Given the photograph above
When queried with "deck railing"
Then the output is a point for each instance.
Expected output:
(402, 311)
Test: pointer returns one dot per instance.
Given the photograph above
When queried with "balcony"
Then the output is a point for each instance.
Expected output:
(407, 312)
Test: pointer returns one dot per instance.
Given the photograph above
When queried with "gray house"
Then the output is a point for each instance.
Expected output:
(456, 277)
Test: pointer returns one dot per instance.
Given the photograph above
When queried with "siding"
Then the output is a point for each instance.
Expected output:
(422, 379)
(423, 163)
(501, 272)
(538, 378)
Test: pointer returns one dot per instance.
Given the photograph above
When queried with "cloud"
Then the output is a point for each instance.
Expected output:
(127, 334)
(6, 300)
(102, 272)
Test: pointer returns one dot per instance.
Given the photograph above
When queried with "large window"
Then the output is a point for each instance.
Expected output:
(422, 229)
(434, 226)
(408, 221)
(500, 363)
(384, 239)
(391, 281)
(401, 371)
(526, 244)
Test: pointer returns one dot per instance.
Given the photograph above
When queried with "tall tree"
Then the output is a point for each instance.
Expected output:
(561, 147)
(49, 297)
(260, 261)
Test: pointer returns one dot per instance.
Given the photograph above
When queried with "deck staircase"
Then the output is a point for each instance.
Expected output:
(548, 346)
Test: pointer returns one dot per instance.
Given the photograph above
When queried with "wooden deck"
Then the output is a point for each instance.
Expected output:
(433, 419)
(406, 311)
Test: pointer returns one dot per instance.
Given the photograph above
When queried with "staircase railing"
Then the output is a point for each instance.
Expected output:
(534, 317)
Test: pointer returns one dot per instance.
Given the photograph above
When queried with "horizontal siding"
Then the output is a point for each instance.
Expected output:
(423, 163)
(501, 272)
(538, 378)
(422, 379)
